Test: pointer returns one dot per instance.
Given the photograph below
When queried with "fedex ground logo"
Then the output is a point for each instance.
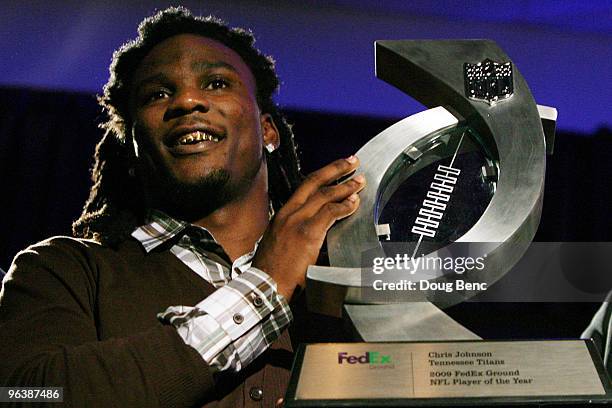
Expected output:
(373, 359)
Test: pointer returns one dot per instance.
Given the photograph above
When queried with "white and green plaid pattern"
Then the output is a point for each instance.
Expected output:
(240, 320)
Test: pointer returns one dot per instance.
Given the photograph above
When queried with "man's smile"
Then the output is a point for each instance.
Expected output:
(192, 139)
(196, 137)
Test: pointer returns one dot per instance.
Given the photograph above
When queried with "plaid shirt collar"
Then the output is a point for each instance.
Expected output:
(161, 228)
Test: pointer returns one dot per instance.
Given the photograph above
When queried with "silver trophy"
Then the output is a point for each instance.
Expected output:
(478, 103)
(485, 136)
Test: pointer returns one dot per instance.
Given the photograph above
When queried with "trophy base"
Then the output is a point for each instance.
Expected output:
(443, 374)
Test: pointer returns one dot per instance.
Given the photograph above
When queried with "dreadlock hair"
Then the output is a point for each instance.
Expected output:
(115, 206)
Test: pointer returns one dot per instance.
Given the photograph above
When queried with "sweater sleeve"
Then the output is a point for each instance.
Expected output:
(48, 337)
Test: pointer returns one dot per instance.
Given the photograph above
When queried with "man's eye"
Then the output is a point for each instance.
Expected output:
(159, 94)
(217, 84)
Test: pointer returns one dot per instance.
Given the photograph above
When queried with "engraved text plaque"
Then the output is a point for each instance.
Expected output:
(485, 370)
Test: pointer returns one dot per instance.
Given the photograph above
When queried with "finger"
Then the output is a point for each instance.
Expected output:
(332, 212)
(331, 194)
(322, 177)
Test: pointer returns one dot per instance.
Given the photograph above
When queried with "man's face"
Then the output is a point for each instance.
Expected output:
(197, 125)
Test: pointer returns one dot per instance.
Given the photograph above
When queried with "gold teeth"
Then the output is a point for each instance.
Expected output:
(196, 137)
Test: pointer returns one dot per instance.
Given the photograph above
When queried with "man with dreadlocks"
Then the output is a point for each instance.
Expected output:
(197, 233)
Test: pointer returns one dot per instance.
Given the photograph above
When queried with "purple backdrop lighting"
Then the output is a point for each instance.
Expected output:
(325, 49)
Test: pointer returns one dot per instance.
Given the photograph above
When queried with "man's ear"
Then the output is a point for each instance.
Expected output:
(132, 140)
(271, 136)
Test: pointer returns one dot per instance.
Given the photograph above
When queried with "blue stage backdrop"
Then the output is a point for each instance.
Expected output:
(324, 49)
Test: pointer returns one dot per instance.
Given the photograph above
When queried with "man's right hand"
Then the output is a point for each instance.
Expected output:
(295, 235)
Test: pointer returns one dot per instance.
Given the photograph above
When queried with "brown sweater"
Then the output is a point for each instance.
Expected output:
(78, 315)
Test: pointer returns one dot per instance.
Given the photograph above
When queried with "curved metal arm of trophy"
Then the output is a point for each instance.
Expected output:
(488, 106)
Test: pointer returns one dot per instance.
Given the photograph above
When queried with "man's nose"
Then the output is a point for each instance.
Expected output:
(187, 101)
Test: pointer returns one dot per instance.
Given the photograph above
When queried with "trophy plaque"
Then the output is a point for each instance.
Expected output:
(479, 155)
(461, 373)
